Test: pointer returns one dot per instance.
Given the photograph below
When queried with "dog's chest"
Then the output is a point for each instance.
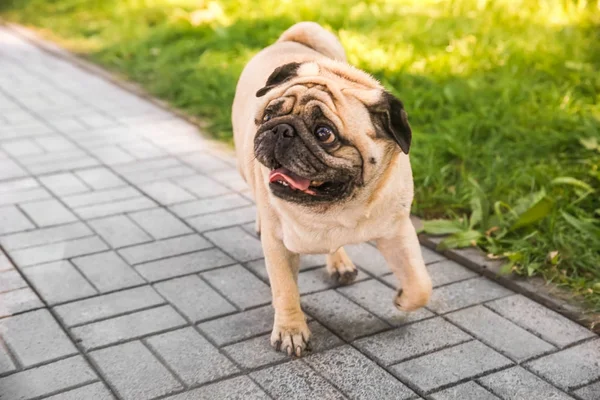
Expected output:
(313, 235)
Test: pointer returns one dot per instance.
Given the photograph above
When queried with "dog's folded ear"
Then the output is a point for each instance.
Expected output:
(278, 76)
(388, 114)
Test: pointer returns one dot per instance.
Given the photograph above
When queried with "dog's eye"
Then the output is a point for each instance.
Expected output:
(267, 116)
(325, 134)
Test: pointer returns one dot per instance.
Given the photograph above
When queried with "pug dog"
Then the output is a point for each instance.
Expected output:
(324, 149)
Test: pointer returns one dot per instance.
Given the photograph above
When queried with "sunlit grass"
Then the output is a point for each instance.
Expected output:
(503, 97)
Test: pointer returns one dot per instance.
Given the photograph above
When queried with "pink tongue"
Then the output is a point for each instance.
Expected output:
(295, 181)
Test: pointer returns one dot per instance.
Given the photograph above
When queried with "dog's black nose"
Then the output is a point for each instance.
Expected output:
(284, 129)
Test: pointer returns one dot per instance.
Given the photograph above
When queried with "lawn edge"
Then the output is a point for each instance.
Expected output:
(536, 289)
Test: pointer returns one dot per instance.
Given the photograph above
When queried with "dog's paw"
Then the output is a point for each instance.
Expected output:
(344, 276)
(340, 268)
(291, 338)
(411, 301)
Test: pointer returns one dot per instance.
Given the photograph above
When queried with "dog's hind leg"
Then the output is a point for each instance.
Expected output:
(340, 267)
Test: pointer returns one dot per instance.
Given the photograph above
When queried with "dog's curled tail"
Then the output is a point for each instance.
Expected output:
(316, 37)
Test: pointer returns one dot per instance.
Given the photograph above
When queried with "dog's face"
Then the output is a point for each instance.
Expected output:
(324, 131)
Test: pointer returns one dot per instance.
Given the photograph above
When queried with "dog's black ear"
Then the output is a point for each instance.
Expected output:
(280, 75)
(389, 115)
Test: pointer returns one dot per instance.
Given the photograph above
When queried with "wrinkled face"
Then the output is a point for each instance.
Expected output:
(316, 144)
(300, 140)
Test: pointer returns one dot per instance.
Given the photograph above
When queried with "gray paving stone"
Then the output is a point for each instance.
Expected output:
(465, 293)
(295, 380)
(58, 251)
(238, 243)
(101, 197)
(575, 366)
(250, 227)
(47, 379)
(357, 376)
(153, 170)
(159, 223)
(412, 340)
(45, 236)
(447, 271)
(130, 326)
(590, 392)
(48, 212)
(254, 353)
(210, 205)
(540, 320)
(6, 363)
(239, 285)
(183, 265)
(18, 301)
(142, 150)
(100, 178)
(13, 220)
(11, 280)
(233, 328)
(22, 196)
(194, 298)
(111, 155)
(240, 388)
(500, 334)
(341, 315)
(66, 124)
(16, 185)
(64, 184)
(377, 298)
(148, 166)
(140, 177)
(517, 383)
(166, 193)
(117, 207)
(55, 143)
(257, 352)
(191, 356)
(313, 280)
(9, 169)
(95, 391)
(58, 282)
(223, 219)
(202, 186)
(368, 258)
(121, 367)
(107, 271)
(109, 305)
(119, 231)
(465, 391)
(5, 264)
(259, 268)
(430, 256)
(450, 365)
(204, 162)
(35, 337)
(164, 248)
(230, 178)
(23, 147)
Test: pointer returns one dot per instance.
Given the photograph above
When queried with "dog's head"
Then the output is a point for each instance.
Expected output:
(325, 130)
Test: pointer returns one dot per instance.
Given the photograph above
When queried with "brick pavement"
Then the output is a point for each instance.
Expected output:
(126, 244)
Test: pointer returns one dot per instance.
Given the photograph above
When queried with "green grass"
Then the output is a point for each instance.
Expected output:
(503, 98)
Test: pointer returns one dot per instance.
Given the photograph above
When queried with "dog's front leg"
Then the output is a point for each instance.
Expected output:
(290, 331)
(402, 252)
